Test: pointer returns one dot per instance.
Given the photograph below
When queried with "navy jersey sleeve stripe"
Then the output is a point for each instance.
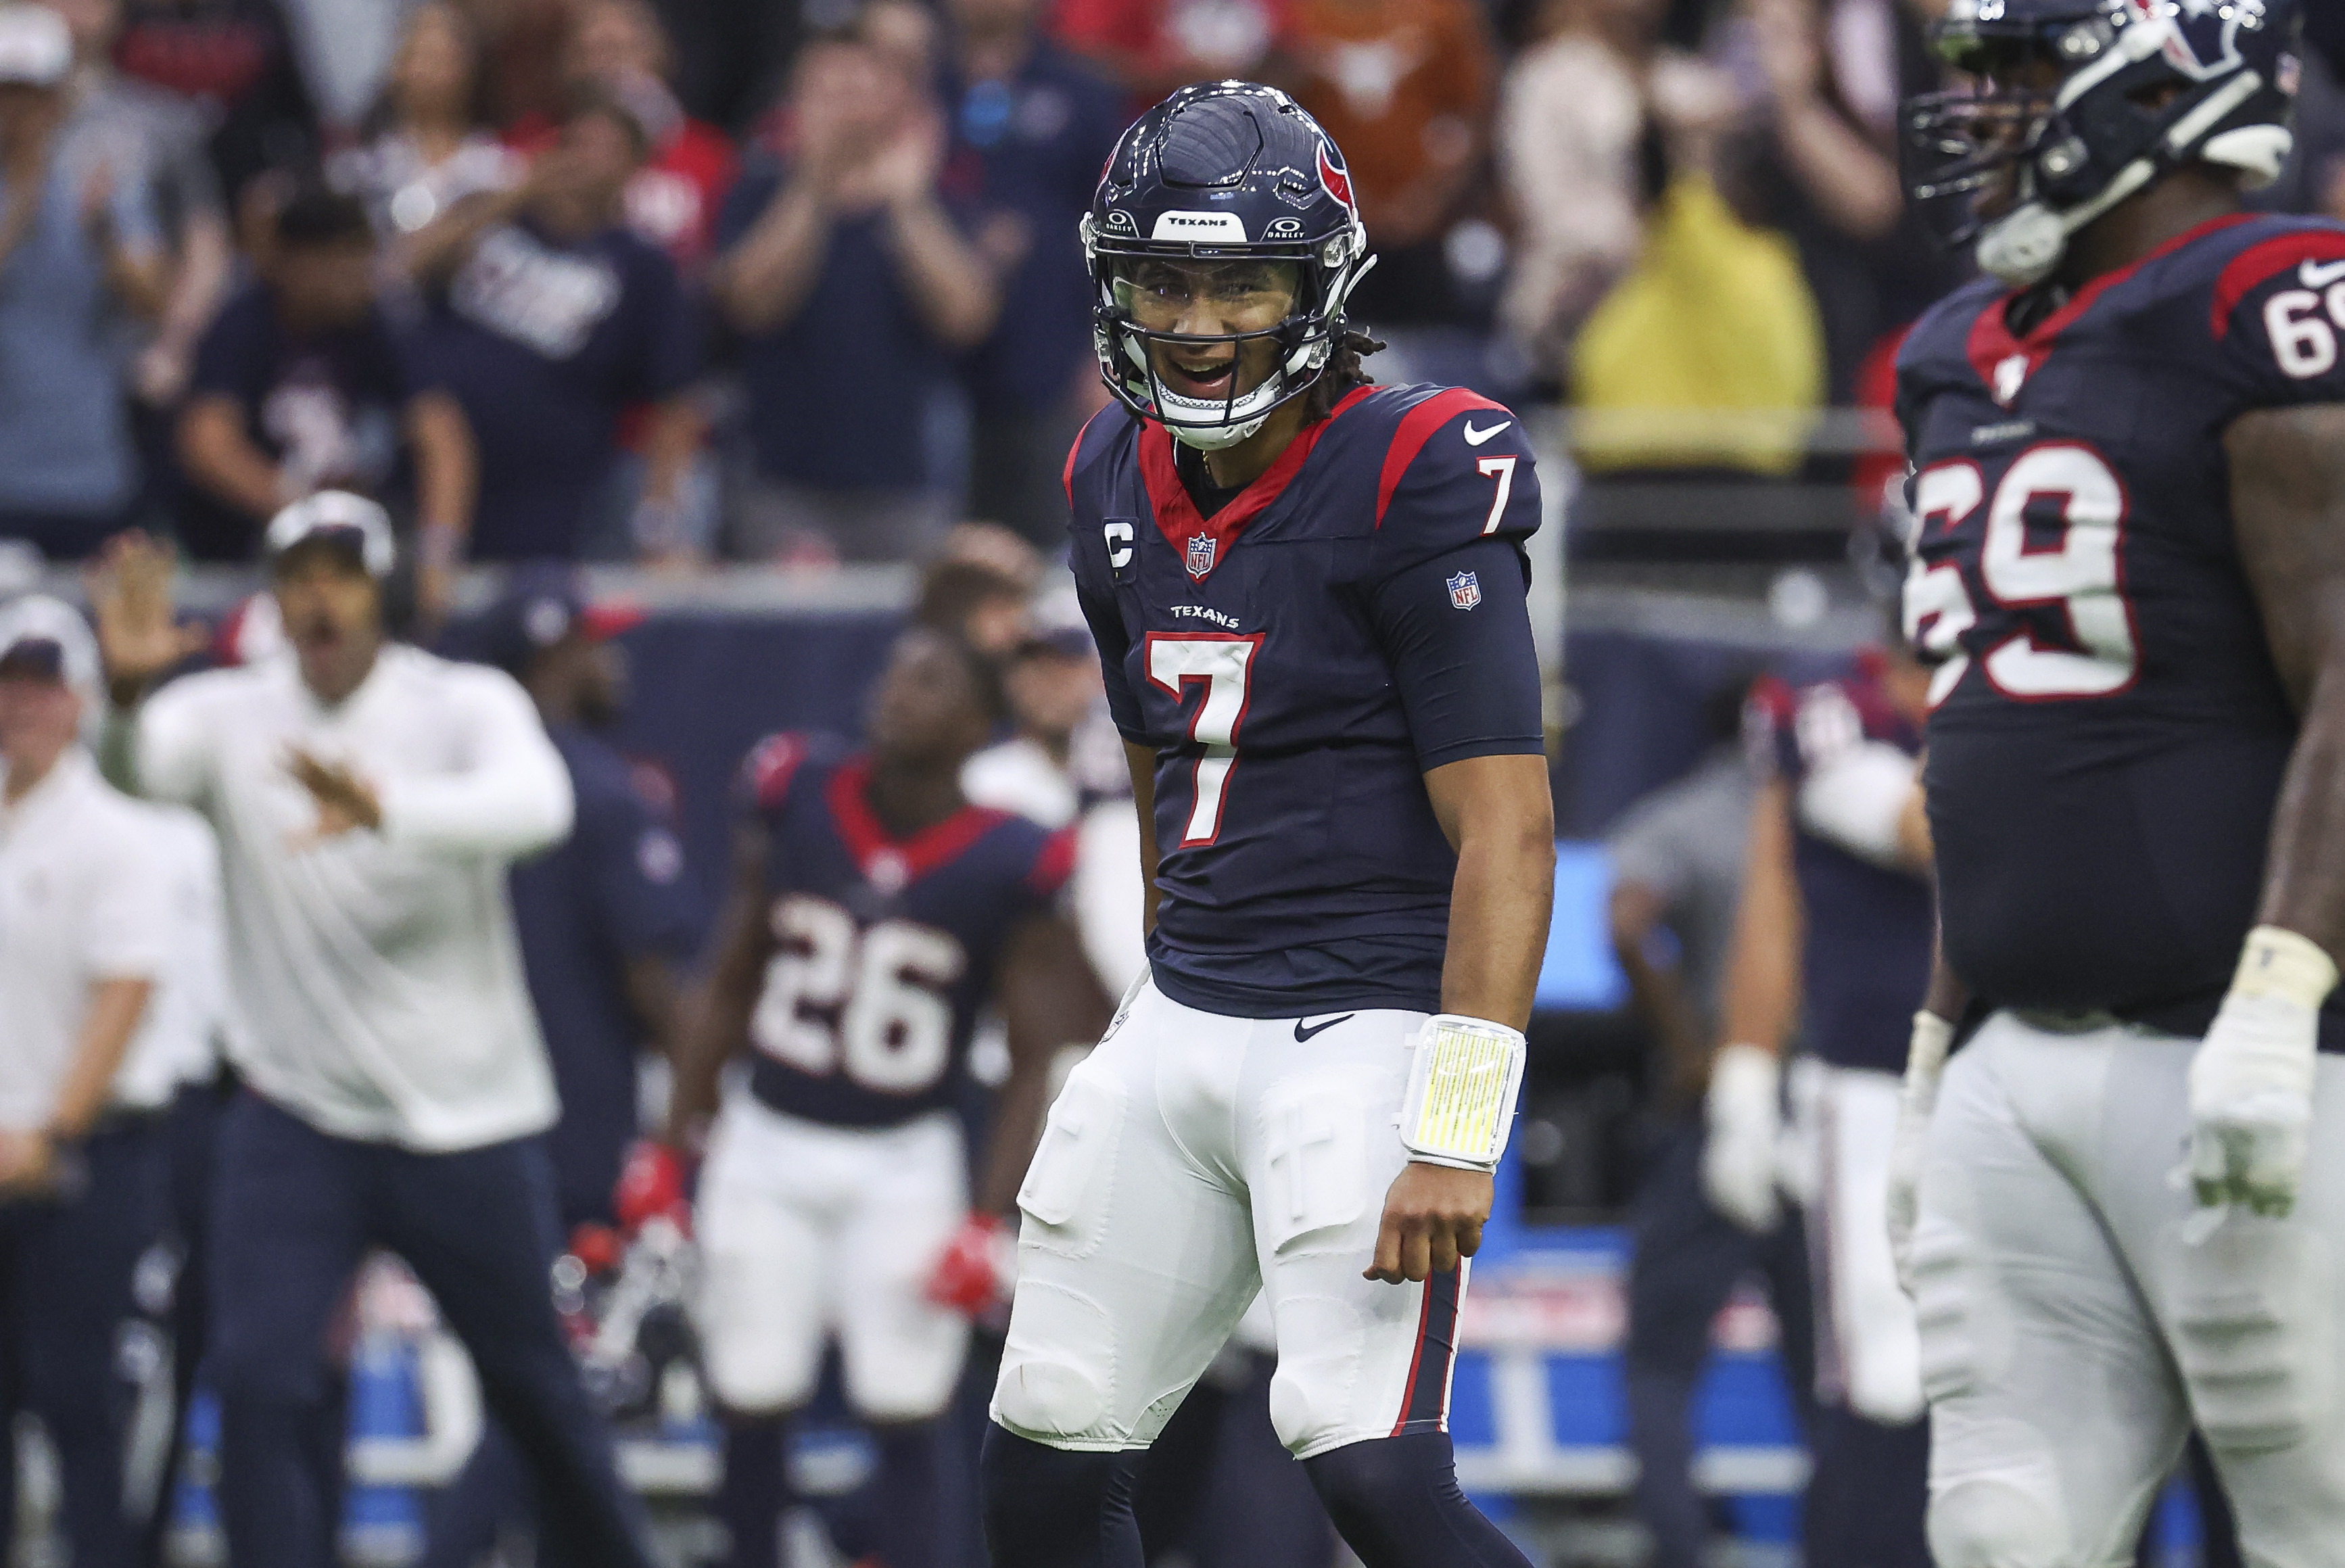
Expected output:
(1456, 629)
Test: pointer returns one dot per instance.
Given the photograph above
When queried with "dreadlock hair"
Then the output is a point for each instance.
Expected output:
(1344, 372)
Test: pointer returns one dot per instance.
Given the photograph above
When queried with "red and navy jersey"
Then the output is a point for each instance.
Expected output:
(1866, 958)
(886, 948)
(1299, 660)
(2107, 733)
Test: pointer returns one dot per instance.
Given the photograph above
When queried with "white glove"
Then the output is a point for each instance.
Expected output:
(2252, 1080)
(1740, 1159)
(1856, 799)
(1925, 1059)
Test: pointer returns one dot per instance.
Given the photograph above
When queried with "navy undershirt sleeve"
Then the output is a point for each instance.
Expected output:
(1468, 677)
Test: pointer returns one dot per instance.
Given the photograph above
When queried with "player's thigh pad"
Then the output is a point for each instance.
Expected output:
(2053, 1417)
(902, 1353)
(1872, 1355)
(766, 1248)
(1357, 1359)
(1135, 1252)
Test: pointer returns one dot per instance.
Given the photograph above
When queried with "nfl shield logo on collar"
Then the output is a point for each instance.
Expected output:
(1465, 591)
(1201, 555)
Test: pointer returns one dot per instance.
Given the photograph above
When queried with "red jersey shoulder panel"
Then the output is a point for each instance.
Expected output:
(2259, 264)
(1416, 427)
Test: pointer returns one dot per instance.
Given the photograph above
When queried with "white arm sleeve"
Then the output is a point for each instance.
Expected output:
(1856, 798)
(512, 801)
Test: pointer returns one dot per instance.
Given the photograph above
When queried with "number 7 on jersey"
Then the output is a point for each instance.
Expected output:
(1224, 663)
(1501, 469)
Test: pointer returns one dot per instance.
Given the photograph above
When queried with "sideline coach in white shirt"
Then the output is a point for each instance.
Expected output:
(86, 936)
(368, 798)
(178, 1046)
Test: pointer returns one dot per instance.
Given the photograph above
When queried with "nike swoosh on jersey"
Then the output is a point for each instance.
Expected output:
(2315, 275)
(1302, 1034)
(1474, 437)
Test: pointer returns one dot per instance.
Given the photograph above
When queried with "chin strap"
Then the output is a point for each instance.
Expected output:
(1214, 438)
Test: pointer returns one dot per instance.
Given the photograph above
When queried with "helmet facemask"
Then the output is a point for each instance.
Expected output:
(1276, 309)
(1965, 149)
(2067, 116)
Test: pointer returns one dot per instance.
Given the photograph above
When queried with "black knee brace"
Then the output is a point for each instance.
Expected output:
(1395, 1502)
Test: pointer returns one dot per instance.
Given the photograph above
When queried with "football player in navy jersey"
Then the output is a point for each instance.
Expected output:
(1308, 597)
(873, 912)
(2128, 441)
(1834, 935)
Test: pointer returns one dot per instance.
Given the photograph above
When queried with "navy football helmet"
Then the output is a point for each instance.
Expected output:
(1223, 172)
(2079, 103)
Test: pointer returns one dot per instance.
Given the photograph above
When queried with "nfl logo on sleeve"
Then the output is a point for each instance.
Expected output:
(1465, 591)
(1201, 555)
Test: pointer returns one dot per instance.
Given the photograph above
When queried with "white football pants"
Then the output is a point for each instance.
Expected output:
(1868, 1349)
(2078, 1312)
(808, 1230)
(1191, 1161)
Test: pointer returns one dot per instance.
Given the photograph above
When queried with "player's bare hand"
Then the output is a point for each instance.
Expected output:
(1434, 1216)
(345, 801)
(139, 637)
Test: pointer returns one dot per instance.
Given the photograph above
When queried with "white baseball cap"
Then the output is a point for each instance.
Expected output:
(46, 637)
(36, 49)
(336, 514)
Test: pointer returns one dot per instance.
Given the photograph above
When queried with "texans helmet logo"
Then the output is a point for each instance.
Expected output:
(2203, 36)
(1333, 174)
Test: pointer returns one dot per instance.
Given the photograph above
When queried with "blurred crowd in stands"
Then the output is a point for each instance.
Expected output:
(702, 280)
